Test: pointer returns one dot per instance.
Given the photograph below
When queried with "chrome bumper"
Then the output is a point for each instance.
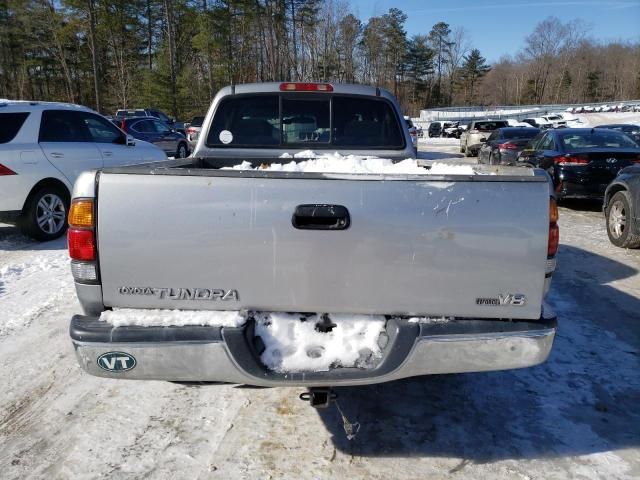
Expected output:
(208, 354)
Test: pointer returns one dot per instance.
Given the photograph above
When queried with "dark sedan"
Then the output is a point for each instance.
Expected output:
(154, 131)
(503, 145)
(622, 208)
(632, 130)
(581, 161)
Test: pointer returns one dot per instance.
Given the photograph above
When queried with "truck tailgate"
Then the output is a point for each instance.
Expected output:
(442, 246)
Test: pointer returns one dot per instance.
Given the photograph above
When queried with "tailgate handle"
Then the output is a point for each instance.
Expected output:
(321, 217)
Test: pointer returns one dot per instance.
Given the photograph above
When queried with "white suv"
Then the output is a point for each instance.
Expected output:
(43, 148)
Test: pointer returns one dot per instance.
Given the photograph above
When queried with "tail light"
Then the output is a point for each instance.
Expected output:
(507, 146)
(191, 130)
(81, 240)
(554, 230)
(6, 171)
(82, 245)
(579, 159)
(123, 126)
(305, 87)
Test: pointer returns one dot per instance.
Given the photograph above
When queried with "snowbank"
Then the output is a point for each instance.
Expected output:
(594, 119)
(336, 163)
(292, 343)
(164, 318)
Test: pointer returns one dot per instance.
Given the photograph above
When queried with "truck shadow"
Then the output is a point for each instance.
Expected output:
(582, 205)
(582, 400)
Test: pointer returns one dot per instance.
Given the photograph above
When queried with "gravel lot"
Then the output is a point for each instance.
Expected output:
(576, 416)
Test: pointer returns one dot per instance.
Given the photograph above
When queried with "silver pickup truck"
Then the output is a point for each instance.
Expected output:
(453, 267)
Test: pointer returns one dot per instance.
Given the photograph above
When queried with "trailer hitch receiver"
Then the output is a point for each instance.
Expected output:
(319, 397)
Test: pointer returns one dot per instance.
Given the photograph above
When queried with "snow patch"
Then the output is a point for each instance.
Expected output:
(430, 320)
(164, 318)
(336, 163)
(293, 344)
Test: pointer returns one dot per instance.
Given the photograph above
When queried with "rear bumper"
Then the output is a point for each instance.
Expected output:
(570, 184)
(213, 354)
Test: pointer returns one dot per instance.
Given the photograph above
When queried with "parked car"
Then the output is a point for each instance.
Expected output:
(538, 122)
(630, 129)
(311, 242)
(43, 148)
(504, 145)
(154, 131)
(450, 129)
(151, 112)
(435, 129)
(512, 122)
(413, 132)
(556, 120)
(193, 131)
(581, 161)
(622, 208)
(477, 130)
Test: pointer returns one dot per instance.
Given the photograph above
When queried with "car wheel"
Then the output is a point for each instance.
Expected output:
(619, 222)
(45, 216)
(461, 149)
(182, 151)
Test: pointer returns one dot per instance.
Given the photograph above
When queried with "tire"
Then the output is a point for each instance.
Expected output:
(45, 215)
(618, 222)
(182, 150)
(461, 149)
(468, 152)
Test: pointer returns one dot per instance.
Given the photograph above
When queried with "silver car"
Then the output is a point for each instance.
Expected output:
(192, 131)
(477, 131)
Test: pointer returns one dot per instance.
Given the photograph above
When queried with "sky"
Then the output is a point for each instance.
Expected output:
(498, 27)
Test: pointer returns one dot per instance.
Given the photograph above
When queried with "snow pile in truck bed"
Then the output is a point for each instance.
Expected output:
(336, 163)
(292, 343)
(164, 318)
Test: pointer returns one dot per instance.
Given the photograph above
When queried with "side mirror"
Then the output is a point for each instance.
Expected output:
(131, 142)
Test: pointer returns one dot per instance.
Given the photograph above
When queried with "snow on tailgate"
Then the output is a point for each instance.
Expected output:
(164, 318)
(336, 163)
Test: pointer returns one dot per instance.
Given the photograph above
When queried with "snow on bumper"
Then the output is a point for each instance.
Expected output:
(223, 354)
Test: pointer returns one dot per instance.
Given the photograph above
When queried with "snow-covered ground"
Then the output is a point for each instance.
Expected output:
(595, 119)
(576, 416)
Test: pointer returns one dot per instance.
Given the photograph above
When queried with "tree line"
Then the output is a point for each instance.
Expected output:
(175, 54)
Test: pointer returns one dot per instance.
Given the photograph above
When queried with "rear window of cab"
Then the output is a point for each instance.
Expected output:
(281, 120)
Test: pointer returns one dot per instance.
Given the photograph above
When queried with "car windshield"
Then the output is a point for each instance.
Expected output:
(596, 139)
(490, 125)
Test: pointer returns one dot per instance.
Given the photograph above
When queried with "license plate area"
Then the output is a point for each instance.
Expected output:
(294, 343)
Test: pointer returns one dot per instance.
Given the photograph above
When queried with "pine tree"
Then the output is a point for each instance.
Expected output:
(441, 43)
(474, 67)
